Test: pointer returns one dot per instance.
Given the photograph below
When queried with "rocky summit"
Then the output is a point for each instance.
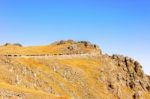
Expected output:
(69, 70)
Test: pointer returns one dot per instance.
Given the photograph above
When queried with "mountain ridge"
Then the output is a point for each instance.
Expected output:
(93, 76)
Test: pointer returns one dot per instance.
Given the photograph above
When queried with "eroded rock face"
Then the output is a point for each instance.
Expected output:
(131, 67)
(131, 74)
(121, 72)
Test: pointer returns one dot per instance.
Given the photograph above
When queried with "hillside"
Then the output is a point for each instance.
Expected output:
(69, 70)
(61, 47)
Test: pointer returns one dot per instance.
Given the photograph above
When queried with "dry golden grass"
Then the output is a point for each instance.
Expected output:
(34, 94)
(72, 78)
(37, 50)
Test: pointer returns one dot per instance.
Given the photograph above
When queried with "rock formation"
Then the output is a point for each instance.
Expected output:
(15, 44)
(131, 74)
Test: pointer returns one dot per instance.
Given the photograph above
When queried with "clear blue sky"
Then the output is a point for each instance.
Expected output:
(118, 26)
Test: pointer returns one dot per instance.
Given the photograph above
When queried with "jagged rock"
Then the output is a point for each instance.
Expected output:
(111, 86)
(132, 73)
(132, 66)
(148, 88)
(64, 42)
(88, 44)
(136, 95)
(132, 85)
(119, 57)
(70, 48)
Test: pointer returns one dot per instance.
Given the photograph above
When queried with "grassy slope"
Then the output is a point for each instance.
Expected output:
(49, 49)
(76, 78)
(29, 93)
(79, 82)
(46, 79)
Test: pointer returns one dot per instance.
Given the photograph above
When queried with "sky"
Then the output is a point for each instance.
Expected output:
(117, 26)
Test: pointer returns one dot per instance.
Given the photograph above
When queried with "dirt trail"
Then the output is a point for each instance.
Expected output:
(53, 56)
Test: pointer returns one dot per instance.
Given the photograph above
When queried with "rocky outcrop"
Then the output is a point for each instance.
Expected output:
(15, 44)
(85, 43)
(77, 47)
(131, 74)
